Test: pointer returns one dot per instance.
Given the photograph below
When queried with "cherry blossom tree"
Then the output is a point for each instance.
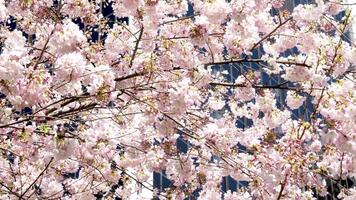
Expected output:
(84, 116)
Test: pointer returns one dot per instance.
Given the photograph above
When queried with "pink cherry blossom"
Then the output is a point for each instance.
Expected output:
(93, 104)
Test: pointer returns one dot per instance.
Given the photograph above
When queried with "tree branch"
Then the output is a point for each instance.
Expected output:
(38, 177)
(273, 31)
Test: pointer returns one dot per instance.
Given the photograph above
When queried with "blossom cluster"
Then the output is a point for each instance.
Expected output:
(90, 108)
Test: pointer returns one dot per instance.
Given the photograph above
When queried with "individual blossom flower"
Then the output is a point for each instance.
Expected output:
(126, 8)
(297, 73)
(347, 194)
(285, 42)
(80, 8)
(10, 70)
(52, 187)
(276, 118)
(277, 3)
(307, 43)
(216, 11)
(307, 13)
(326, 25)
(245, 93)
(199, 31)
(333, 8)
(70, 66)
(70, 71)
(67, 38)
(216, 103)
(316, 146)
(266, 102)
(209, 194)
(351, 112)
(319, 80)
(178, 8)
(15, 45)
(294, 101)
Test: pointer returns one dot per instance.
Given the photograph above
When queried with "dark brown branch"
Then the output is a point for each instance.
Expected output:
(164, 114)
(281, 191)
(140, 74)
(179, 19)
(81, 108)
(243, 60)
(279, 86)
(130, 76)
(269, 35)
(44, 48)
(62, 105)
(14, 123)
(9, 189)
(136, 47)
(38, 177)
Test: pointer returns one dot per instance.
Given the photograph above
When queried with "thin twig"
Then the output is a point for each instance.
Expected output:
(273, 31)
(38, 177)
